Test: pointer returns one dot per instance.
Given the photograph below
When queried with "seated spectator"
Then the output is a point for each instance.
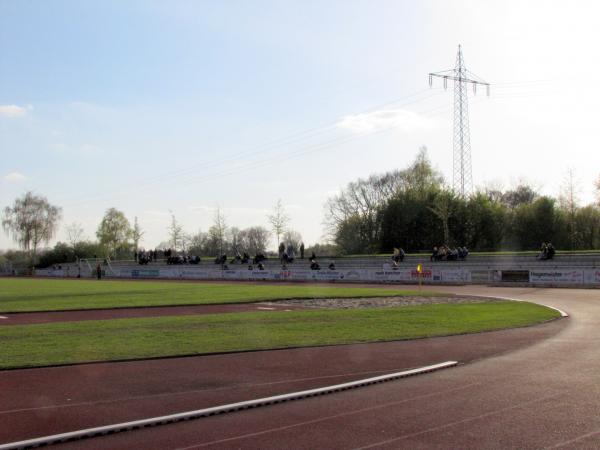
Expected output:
(543, 252)
(259, 258)
(551, 251)
(313, 256)
(398, 255)
(434, 254)
(245, 258)
(332, 266)
(250, 267)
(261, 266)
(463, 252)
(314, 265)
(452, 255)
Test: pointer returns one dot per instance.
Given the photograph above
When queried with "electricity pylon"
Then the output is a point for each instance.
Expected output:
(462, 176)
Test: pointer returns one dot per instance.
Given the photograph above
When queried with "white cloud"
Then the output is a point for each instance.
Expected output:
(14, 111)
(14, 177)
(404, 120)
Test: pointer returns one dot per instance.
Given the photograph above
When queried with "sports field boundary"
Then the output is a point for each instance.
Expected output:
(216, 410)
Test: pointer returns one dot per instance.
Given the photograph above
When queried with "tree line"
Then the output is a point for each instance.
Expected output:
(32, 221)
(414, 209)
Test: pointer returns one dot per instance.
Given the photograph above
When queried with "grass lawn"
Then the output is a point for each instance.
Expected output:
(21, 295)
(72, 342)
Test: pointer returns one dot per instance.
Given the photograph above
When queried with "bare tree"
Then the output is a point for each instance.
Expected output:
(569, 201)
(442, 208)
(136, 234)
(257, 239)
(74, 233)
(278, 220)
(31, 220)
(218, 231)
(293, 238)
(176, 233)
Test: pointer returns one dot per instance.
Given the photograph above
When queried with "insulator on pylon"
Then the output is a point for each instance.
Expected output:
(475, 88)
(488, 90)
(445, 83)
(430, 80)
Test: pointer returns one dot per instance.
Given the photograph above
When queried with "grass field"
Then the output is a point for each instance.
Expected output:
(22, 295)
(102, 340)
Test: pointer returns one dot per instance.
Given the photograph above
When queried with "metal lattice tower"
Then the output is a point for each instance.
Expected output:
(462, 177)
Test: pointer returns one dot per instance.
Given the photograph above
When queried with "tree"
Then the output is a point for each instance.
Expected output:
(217, 232)
(74, 233)
(114, 232)
(31, 220)
(256, 239)
(136, 234)
(520, 195)
(176, 233)
(569, 202)
(278, 220)
(293, 238)
(442, 208)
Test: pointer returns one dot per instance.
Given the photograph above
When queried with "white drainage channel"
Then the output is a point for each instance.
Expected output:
(126, 426)
(560, 311)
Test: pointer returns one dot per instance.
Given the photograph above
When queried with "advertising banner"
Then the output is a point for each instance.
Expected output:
(145, 273)
(455, 275)
(592, 276)
(556, 276)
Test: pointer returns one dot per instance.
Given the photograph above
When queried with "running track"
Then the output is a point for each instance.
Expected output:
(536, 387)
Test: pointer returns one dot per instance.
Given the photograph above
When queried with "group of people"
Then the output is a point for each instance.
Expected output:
(287, 254)
(547, 251)
(241, 259)
(182, 259)
(445, 253)
(398, 256)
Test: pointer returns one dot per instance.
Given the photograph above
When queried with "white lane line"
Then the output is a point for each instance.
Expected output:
(231, 407)
(266, 308)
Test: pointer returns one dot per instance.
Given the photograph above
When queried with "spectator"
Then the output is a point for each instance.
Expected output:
(99, 271)
(434, 254)
(332, 266)
(281, 251)
(302, 250)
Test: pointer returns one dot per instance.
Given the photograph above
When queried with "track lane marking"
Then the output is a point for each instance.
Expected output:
(165, 394)
(458, 422)
(577, 439)
(334, 416)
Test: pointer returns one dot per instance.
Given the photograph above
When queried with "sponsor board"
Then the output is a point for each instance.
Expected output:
(393, 275)
(556, 276)
(145, 273)
(592, 276)
(480, 276)
(454, 276)
(261, 275)
(198, 274)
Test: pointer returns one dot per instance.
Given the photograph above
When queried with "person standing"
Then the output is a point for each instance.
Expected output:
(301, 250)
(99, 271)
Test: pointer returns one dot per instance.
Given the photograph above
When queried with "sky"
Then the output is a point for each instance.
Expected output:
(182, 107)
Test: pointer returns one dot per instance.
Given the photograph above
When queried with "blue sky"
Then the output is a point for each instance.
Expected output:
(189, 105)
